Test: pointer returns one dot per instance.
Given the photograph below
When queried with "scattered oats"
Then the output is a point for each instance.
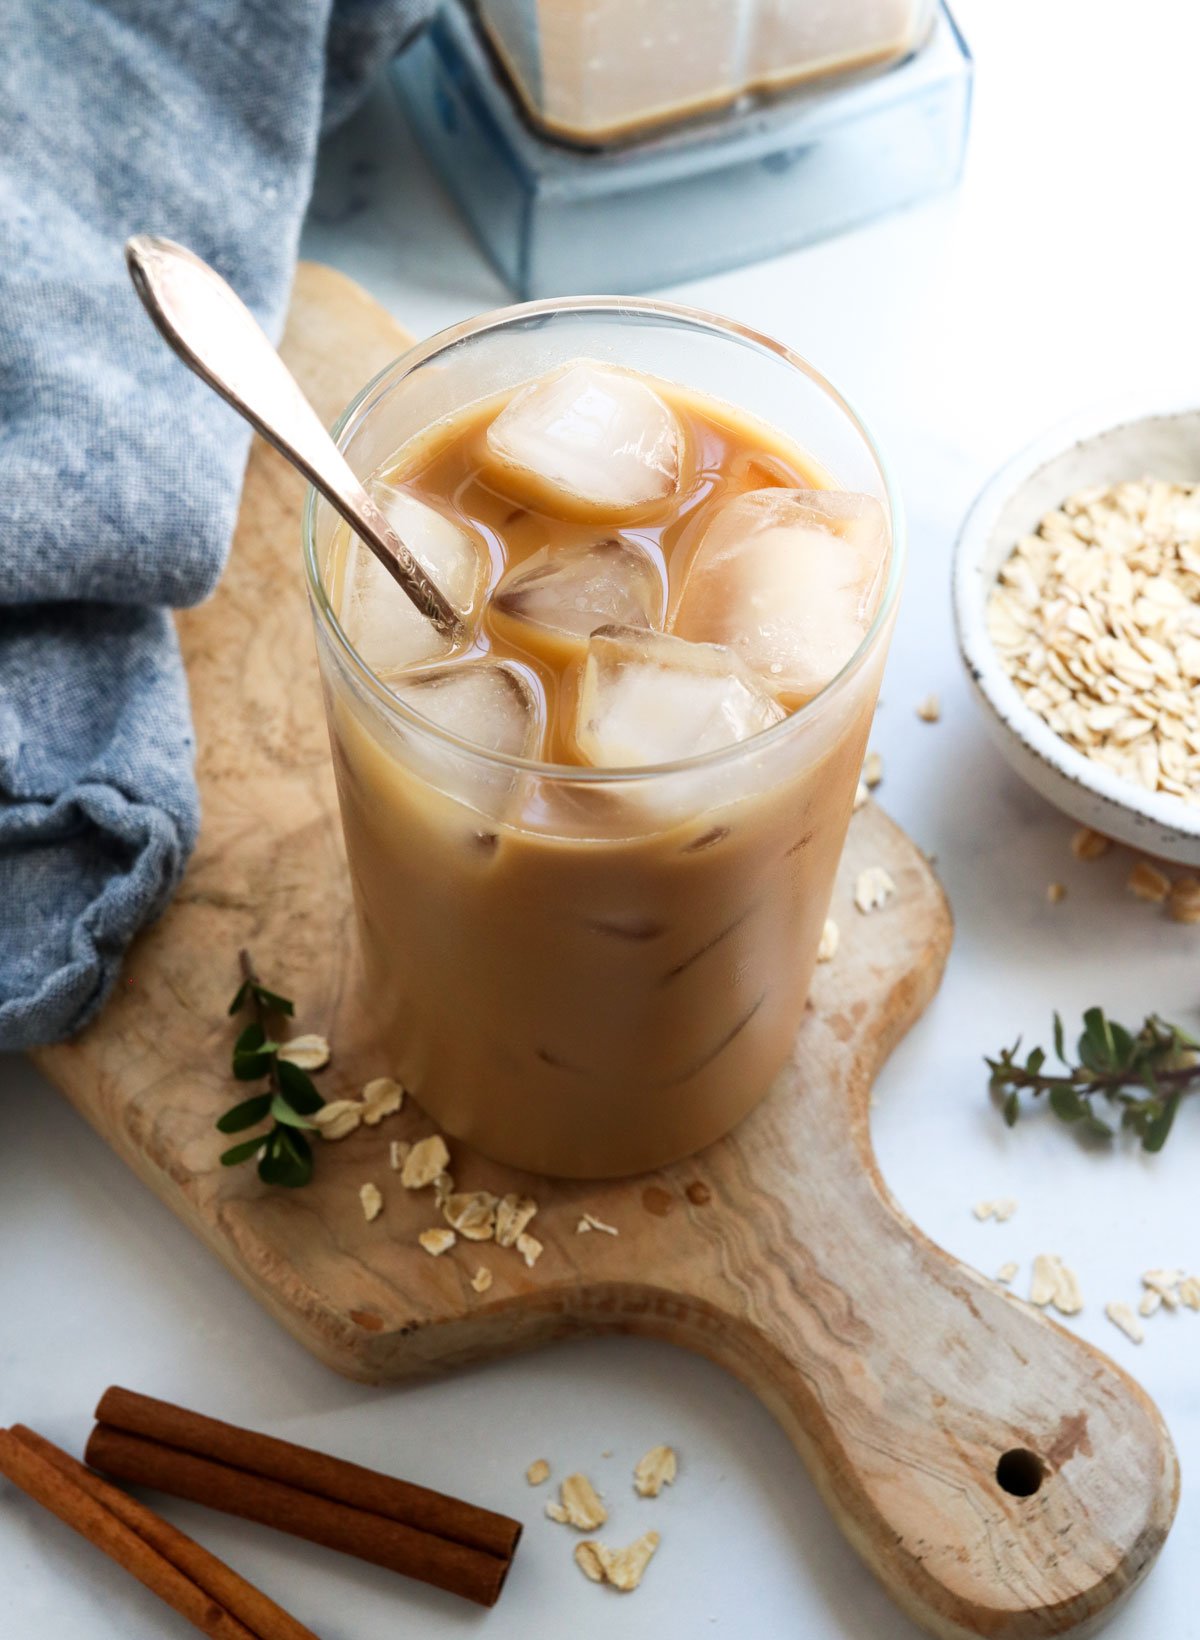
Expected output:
(372, 1201)
(1068, 1298)
(587, 1558)
(873, 889)
(538, 1472)
(472, 1214)
(872, 770)
(1006, 1272)
(1148, 883)
(1087, 844)
(1001, 1210)
(530, 1249)
(983, 1210)
(1056, 893)
(578, 1505)
(1053, 1283)
(307, 1053)
(443, 1188)
(1162, 1281)
(513, 1213)
(1189, 1292)
(436, 1242)
(930, 709)
(626, 1568)
(427, 1158)
(623, 1568)
(656, 1470)
(1150, 1301)
(338, 1118)
(827, 949)
(861, 795)
(481, 1281)
(1122, 1316)
(398, 1151)
(382, 1097)
(1183, 904)
(589, 1221)
(1045, 1280)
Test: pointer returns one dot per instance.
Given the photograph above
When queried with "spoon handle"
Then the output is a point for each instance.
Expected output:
(217, 336)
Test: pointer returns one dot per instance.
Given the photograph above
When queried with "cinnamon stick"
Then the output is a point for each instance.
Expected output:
(261, 1616)
(316, 1472)
(64, 1497)
(238, 1491)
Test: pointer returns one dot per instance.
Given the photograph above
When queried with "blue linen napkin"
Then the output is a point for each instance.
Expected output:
(119, 472)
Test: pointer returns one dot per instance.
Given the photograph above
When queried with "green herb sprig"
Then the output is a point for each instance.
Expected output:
(1144, 1074)
(284, 1152)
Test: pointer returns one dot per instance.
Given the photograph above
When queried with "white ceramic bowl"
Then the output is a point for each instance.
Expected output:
(1092, 449)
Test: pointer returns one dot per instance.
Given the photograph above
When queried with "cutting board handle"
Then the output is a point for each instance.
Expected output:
(1000, 1475)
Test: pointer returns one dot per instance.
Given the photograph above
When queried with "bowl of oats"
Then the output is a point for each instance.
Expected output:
(1077, 602)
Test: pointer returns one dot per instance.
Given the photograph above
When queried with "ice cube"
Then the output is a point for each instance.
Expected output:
(589, 441)
(570, 591)
(646, 697)
(790, 579)
(378, 617)
(493, 704)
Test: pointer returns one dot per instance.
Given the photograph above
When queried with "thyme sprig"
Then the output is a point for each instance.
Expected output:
(1144, 1074)
(284, 1152)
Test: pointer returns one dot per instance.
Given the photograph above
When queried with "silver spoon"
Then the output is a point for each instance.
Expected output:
(217, 336)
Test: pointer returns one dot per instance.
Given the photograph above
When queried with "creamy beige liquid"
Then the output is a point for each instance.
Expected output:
(600, 70)
(579, 981)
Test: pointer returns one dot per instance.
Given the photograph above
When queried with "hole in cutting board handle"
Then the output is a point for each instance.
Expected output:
(1020, 1472)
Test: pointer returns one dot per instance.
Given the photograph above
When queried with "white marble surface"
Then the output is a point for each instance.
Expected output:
(1063, 270)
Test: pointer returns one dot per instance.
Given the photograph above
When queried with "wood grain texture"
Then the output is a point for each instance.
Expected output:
(900, 1375)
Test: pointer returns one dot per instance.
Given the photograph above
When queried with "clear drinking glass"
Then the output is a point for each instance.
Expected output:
(593, 972)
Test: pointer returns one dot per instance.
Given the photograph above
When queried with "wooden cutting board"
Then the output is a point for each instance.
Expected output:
(901, 1376)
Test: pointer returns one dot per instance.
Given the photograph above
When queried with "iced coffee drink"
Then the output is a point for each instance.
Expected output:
(592, 843)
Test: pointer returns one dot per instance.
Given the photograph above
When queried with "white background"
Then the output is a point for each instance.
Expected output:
(1065, 270)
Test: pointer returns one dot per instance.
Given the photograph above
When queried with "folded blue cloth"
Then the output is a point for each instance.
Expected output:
(119, 472)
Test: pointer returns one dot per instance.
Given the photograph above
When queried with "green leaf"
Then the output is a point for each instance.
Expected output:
(1012, 1108)
(244, 1151)
(248, 1067)
(1124, 1046)
(1067, 1105)
(287, 1160)
(239, 1001)
(1156, 1131)
(283, 1112)
(1035, 1061)
(1058, 1038)
(272, 1001)
(252, 1054)
(1096, 1044)
(246, 1114)
(1096, 1127)
(297, 1088)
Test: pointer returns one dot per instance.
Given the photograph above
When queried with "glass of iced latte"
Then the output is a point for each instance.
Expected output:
(592, 844)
